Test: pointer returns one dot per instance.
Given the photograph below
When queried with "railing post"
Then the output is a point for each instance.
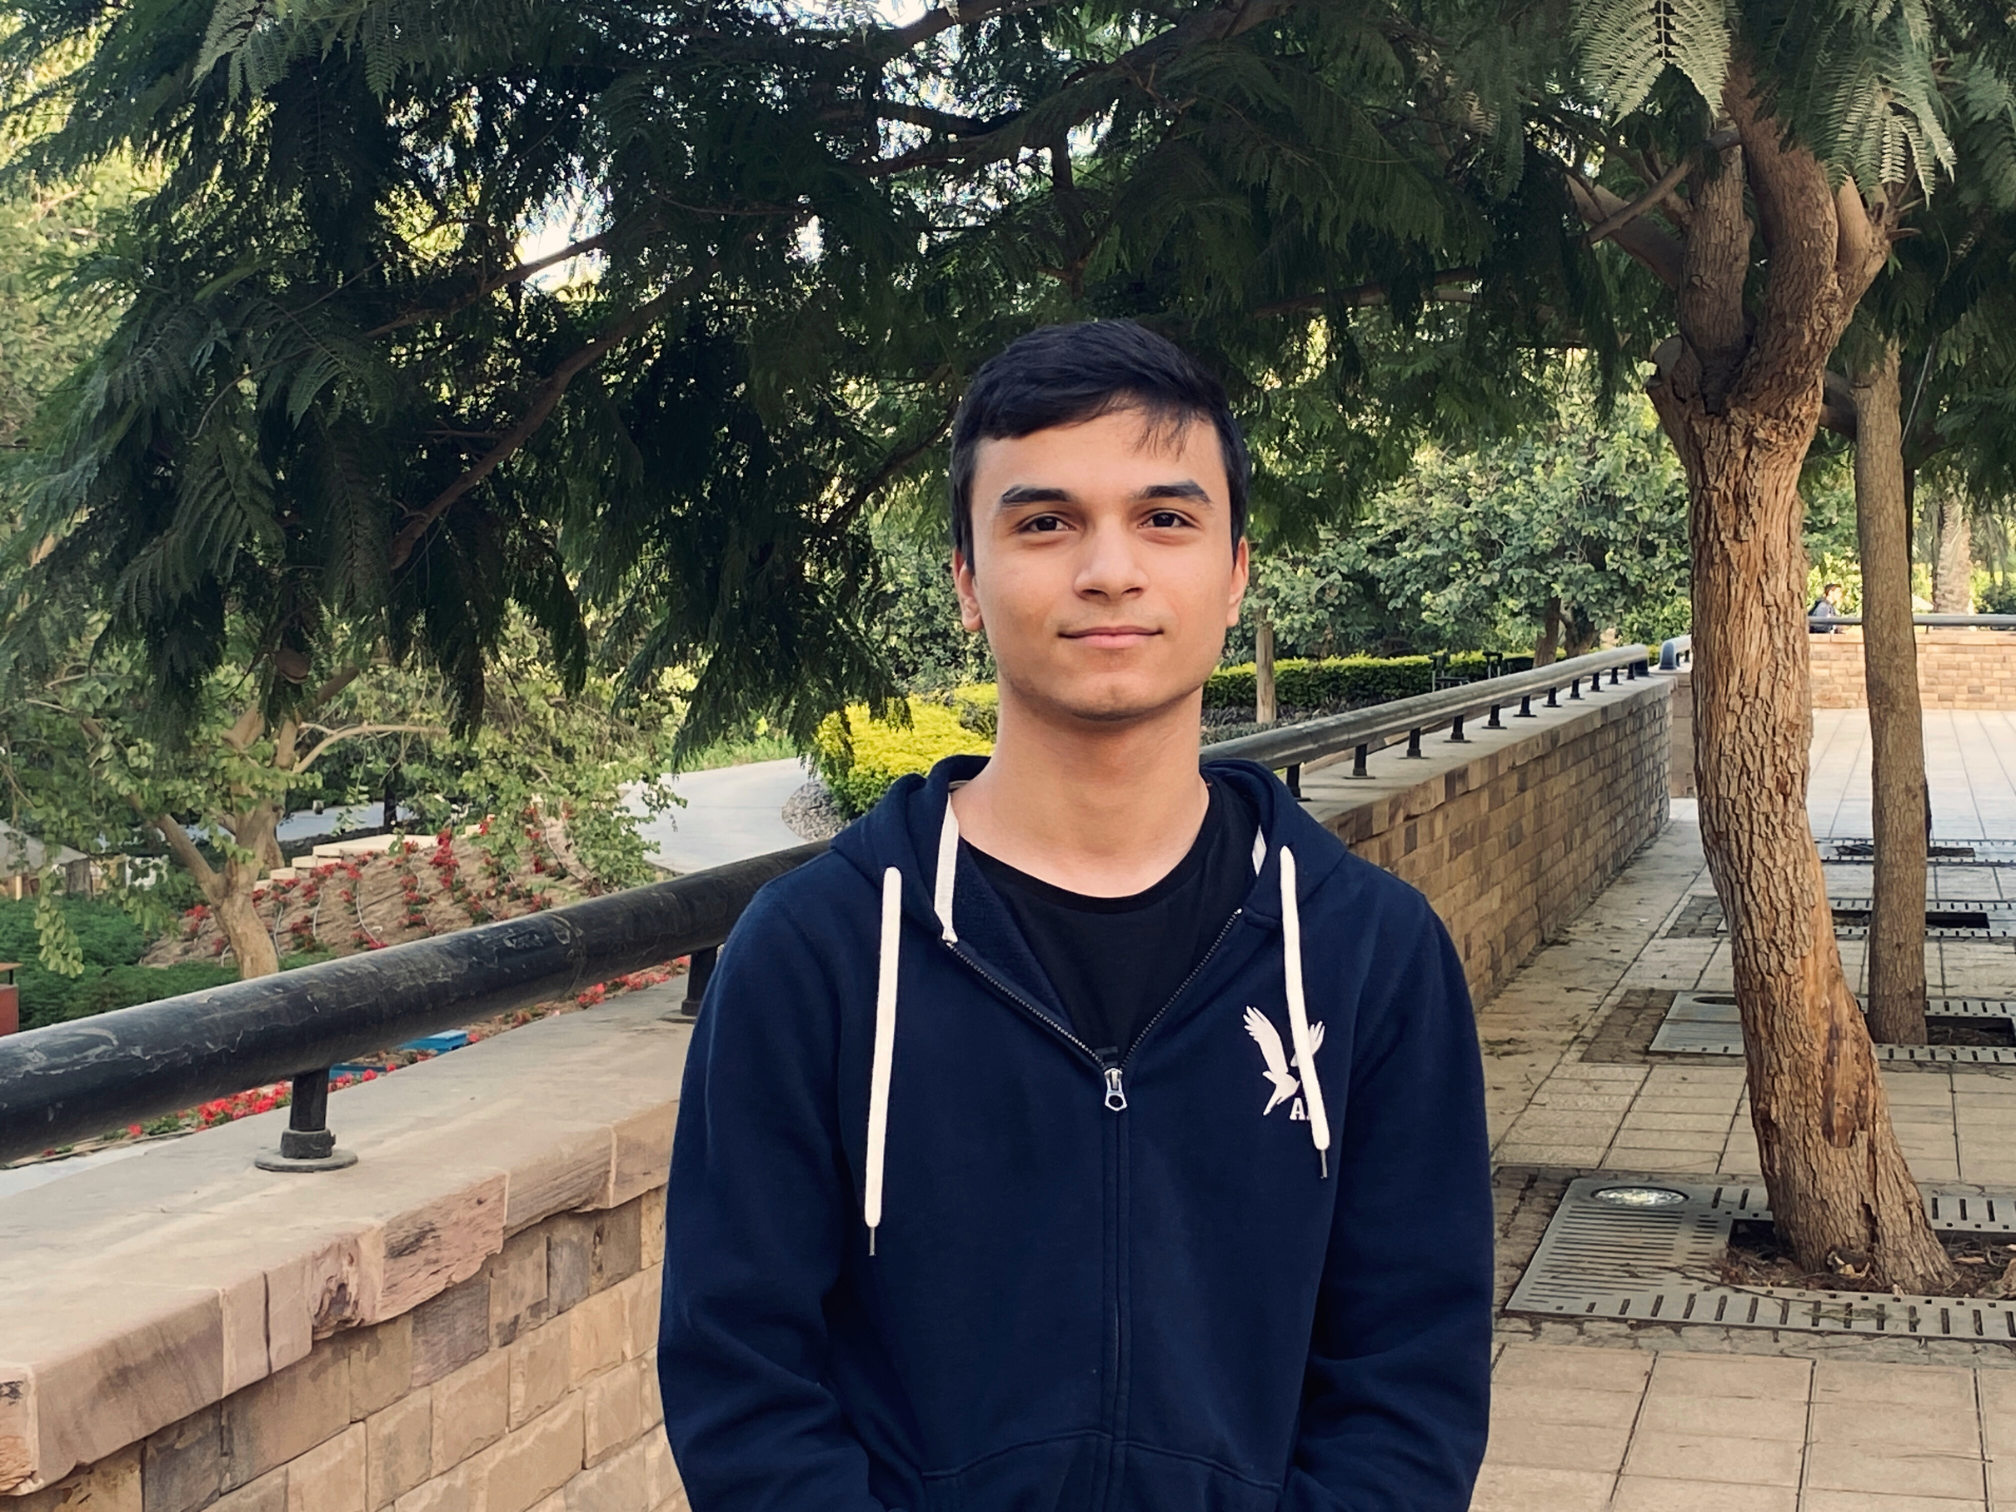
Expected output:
(1358, 763)
(1456, 735)
(1553, 701)
(1574, 688)
(699, 967)
(1294, 780)
(1614, 671)
(307, 1143)
(1414, 744)
(1526, 707)
(1494, 722)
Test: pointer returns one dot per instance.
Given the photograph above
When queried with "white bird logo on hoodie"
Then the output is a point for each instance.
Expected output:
(1268, 1038)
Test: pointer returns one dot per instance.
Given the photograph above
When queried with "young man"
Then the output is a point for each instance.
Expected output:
(1826, 607)
(1086, 1130)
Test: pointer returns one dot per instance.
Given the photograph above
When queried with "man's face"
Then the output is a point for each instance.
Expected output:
(1833, 594)
(1103, 569)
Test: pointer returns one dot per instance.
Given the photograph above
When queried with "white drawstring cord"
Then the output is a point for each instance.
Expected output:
(948, 866)
(1298, 1010)
(885, 1051)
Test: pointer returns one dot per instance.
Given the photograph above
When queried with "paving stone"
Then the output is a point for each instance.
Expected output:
(1522, 1488)
(614, 1409)
(1867, 1501)
(1566, 1404)
(1533, 1367)
(1878, 1424)
(1944, 1389)
(597, 1333)
(1667, 1411)
(1641, 1493)
(1740, 1461)
(539, 1369)
(621, 1482)
(1900, 1471)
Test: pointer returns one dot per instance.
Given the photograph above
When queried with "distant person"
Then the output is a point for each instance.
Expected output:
(1086, 1129)
(1825, 607)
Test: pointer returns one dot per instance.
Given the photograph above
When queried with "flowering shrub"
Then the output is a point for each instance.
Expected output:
(859, 758)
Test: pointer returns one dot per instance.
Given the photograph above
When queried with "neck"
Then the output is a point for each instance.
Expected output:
(1105, 809)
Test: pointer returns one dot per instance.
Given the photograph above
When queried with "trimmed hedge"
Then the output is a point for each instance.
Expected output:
(1341, 682)
(859, 758)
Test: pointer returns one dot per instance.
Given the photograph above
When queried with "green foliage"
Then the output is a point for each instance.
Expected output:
(101, 937)
(859, 756)
(1588, 513)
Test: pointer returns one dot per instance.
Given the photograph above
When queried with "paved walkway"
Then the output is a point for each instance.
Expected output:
(731, 813)
(1614, 1417)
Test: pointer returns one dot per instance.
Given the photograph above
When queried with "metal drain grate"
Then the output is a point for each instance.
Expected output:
(1945, 919)
(1701, 918)
(1942, 853)
(1621, 1248)
(1706, 1023)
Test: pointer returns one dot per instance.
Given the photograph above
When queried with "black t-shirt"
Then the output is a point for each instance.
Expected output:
(1116, 962)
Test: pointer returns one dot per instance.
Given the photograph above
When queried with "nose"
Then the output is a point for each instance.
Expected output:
(1110, 565)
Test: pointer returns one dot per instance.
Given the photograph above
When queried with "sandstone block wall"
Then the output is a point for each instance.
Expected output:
(466, 1320)
(1957, 669)
(1510, 843)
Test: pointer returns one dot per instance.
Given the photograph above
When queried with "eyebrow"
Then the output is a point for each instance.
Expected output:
(1038, 493)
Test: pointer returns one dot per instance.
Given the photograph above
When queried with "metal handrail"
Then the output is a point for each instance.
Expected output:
(68, 1081)
(1362, 731)
(1961, 621)
(71, 1080)
(1673, 652)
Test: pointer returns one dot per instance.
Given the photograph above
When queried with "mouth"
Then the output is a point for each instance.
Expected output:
(1112, 636)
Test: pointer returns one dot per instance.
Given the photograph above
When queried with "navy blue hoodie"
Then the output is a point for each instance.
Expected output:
(996, 1274)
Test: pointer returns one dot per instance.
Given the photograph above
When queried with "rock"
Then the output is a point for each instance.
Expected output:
(811, 814)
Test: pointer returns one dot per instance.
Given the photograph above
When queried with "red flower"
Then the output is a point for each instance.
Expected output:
(133, 1130)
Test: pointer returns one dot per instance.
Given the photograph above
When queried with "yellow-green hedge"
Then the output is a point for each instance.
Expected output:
(860, 757)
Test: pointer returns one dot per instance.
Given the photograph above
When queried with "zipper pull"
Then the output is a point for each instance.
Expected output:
(1116, 1095)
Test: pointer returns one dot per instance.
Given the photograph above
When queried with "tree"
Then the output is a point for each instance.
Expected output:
(1824, 134)
(1580, 522)
(342, 398)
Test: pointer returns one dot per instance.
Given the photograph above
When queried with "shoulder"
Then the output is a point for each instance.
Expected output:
(814, 905)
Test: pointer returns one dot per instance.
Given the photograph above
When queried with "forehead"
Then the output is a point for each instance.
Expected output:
(1124, 447)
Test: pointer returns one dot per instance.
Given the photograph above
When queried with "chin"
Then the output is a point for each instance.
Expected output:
(1111, 704)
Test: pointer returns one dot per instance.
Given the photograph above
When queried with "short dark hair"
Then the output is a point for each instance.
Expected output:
(1067, 374)
(1825, 586)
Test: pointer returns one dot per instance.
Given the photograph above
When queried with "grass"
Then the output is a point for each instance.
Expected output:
(739, 751)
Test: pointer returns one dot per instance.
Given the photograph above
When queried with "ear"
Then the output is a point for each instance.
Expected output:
(969, 602)
(1241, 565)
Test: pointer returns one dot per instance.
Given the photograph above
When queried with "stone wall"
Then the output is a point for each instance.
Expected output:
(1957, 669)
(465, 1321)
(1513, 836)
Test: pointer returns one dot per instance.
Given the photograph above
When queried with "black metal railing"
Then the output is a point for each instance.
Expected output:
(69, 1081)
(1950, 621)
(1676, 653)
(1363, 731)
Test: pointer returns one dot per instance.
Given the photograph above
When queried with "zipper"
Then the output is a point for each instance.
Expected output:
(1113, 1078)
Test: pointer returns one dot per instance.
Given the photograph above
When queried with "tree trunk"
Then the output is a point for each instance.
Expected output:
(1953, 564)
(1739, 393)
(251, 942)
(1263, 669)
(1550, 635)
(1896, 953)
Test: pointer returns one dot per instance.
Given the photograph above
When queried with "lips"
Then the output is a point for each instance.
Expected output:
(1112, 635)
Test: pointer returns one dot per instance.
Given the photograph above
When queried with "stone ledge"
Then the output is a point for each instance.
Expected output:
(144, 1290)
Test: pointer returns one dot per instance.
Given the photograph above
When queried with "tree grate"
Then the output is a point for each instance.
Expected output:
(1707, 1023)
(1628, 1249)
(1701, 918)
(1942, 852)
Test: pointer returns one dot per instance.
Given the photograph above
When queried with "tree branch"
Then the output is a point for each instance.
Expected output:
(543, 404)
(184, 850)
(1138, 65)
(350, 732)
(1367, 295)
(1660, 254)
(485, 287)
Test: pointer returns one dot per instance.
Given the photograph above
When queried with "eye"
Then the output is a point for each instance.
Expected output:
(1047, 524)
(1167, 519)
